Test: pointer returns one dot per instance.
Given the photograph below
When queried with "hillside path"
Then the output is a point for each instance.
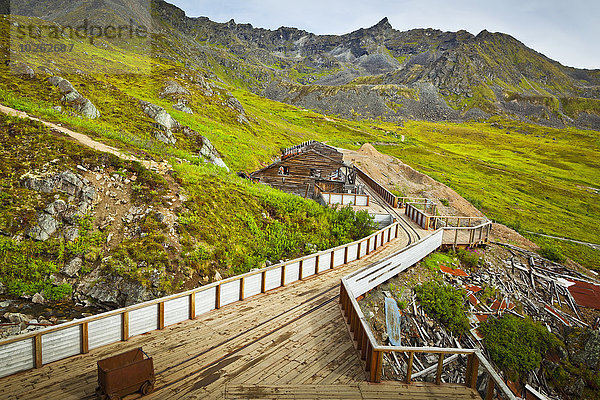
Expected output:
(83, 139)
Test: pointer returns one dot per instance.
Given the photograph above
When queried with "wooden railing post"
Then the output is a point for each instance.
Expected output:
(317, 272)
(368, 245)
(358, 246)
(409, 368)
(440, 366)
(125, 326)
(490, 389)
(300, 265)
(242, 283)
(84, 338)
(217, 297)
(37, 349)
(161, 315)
(376, 366)
(283, 275)
(193, 305)
(346, 255)
(263, 281)
(472, 370)
(332, 262)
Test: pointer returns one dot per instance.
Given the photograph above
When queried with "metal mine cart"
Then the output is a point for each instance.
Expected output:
(125, 373)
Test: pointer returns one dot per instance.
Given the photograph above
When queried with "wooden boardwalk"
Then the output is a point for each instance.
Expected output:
(290, 343)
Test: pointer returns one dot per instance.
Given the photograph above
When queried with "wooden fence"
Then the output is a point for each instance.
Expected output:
(54, 343)
(360, 282)
(467, 236)
(385, 194)
(329, 198)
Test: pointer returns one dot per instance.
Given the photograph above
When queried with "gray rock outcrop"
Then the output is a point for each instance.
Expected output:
(173, 89)
(59, 213)
(164, 121)
(74, 98)
(183, 107)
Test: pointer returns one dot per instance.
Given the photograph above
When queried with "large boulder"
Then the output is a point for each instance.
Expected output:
(74, 98)
(173, 89)
(164, 121)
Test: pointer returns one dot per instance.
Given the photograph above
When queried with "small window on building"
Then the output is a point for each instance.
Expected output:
(315, 173)
(283, 170)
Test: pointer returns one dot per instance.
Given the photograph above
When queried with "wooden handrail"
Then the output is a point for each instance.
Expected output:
(36, 336)
(359, 328)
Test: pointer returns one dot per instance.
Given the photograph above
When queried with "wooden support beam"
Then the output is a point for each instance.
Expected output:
(332, 262)
(161, 315)
(376, 366)
(242, 283)
(192, 307)
(84, 338)
(37, 350)
(368, 245)
(263, 281)
(440, 366)
(300, 265)
(317, 272)
(358, 246)
(345, 255)
(363, 354)
(409, 368)
(283, 275)
(125, 326)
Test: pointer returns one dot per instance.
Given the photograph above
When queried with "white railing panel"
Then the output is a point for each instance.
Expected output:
(230, 292)
(365, 280)
(16, 356)
(347, 199)
(291, 272)
(273, 278)
(143, 320)
(105, 331)
(352, 252)
(339, 257)
(61, 344)
(177, 310)
(324, 262)
(363, 249)
(205, 300)
(336, 199)
(308, 267)
(361, 200)
(252, 285)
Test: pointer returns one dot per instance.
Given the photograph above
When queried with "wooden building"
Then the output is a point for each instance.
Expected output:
(302, 167)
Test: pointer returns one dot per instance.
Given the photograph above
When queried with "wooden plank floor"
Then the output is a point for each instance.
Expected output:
(288, 343)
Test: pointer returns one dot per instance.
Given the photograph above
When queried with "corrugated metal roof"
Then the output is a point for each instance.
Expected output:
(453, 271)
(585, 294)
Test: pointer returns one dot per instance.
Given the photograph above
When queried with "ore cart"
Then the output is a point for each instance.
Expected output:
(125, 373)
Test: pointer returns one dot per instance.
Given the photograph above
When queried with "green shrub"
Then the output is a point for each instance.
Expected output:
(552, 253)
(517, 345)
(446, 304)
(445, 202)
(469, 257)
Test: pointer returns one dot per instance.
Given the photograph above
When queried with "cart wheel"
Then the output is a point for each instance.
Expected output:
(147, 387)
(114, 396)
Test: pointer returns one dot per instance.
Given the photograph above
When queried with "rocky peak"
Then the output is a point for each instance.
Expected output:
(384, 24)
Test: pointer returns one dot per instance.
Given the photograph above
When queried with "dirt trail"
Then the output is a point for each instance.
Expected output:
(85, 140)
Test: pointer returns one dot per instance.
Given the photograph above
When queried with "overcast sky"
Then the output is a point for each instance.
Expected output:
(567, 31)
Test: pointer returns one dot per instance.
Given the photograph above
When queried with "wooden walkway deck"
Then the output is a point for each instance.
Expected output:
(290, 343)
